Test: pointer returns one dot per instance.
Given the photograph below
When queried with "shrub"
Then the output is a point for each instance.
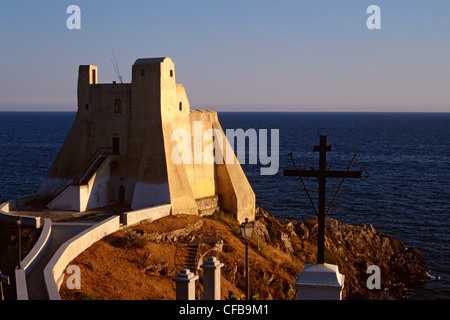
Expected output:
(226, 247)
(92, 265)
(134, 239)
(229, 219)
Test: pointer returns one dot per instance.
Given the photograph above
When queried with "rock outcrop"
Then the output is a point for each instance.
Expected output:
(174, 235)
(355, 248)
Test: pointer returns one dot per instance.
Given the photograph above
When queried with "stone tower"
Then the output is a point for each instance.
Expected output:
(120, 147)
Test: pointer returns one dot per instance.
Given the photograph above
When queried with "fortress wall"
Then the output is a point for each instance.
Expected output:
(95, 125)
(173, 118)
(150, 194)
(138, 121)
(145, 90)
(87, 76)
(97, 193)
(116, 183)
(233, 187)
(181, 195)
(67, 163)
(184, 108)
(169, 98)
(202, 175)
(110, 118)
(105, 122)
(146, 143)
(152, 187)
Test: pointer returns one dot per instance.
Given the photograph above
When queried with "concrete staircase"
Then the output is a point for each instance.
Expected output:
(84, 179)
(86, 173)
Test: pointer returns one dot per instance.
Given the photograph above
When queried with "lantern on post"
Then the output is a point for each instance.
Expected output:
(246, 232)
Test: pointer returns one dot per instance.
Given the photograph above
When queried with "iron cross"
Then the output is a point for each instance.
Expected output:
(322, 174)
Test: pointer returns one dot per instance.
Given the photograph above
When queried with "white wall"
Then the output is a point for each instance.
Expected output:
(53, 272)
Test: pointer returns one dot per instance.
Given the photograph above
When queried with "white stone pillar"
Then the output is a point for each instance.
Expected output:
(320, 282)
(211, 278)
(185, 283)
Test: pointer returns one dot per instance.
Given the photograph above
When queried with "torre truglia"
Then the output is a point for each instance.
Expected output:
(119, 148)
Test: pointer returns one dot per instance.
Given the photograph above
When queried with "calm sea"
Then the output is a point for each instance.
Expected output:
(406, 155)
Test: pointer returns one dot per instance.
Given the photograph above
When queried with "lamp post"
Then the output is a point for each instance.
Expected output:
(19, 224)
(246, 232)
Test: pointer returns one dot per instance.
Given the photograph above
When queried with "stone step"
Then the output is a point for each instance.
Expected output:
(208, 205)
(209, 211)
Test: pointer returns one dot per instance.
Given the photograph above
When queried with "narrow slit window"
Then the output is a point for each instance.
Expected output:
(171, 73)
(115, 145)
(117, 106)
(180, 106)
(142, 72)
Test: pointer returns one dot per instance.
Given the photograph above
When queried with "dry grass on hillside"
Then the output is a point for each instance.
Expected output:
(120, 268)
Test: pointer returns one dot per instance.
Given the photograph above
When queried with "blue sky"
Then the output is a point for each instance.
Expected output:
(242, 55)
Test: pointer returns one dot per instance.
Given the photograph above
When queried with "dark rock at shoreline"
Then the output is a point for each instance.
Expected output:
(354, 248)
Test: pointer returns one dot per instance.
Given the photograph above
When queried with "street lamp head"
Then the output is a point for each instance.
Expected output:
(19, 220)
(247, 229)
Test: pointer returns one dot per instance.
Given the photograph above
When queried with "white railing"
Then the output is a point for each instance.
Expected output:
(32, 259)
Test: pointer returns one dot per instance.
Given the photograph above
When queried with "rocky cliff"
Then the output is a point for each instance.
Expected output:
(353, 249)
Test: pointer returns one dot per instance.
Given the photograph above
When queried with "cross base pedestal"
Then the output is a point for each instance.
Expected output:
(319, 282)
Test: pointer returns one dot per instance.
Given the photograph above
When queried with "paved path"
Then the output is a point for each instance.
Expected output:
(61, 232)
